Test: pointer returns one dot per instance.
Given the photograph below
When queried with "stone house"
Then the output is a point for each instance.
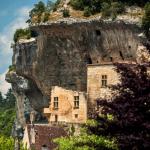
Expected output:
(72, 106)
(99, 78)
(67, 106)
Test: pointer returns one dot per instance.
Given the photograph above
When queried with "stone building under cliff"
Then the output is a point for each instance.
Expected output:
(69, 58)
(72, 106)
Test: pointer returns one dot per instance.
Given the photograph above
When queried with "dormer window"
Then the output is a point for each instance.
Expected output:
(104, 81)
(55, 102)
(76, 102)
(44, 147)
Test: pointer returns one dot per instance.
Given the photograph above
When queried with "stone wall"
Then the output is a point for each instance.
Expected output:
(94, 82)
(66, 111)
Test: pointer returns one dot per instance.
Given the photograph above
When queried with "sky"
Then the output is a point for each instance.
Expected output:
(13, 15)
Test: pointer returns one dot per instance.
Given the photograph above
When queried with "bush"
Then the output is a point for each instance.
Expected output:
(112, 9)
(118, 7)
(87, 12)
(12, 68)
(77, 4)
(66, 13)
(93, 5)
(46, 17)
(56, 5)
(146, 20)
(22, 33)
(86, 142)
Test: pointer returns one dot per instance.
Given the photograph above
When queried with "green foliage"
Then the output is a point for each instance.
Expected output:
(7, 113)
(135, 2)
(91, 122)
(87, 12)
(46, 17)
(92, 7)
(86, 142)
(77, 4)
(38, 9)
(72, 130)
(66, 13)
(6, 143)
(12, 68)
(112, 9)
(146, 20)
(107, 7)
(22, 33)
(7, 117)
(50, 6)
(56, 5)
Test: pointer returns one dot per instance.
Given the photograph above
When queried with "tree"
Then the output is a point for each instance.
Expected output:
(10, 99)
(50, 5)
(146, 20)
(66, 13)
(37, 12)
(22, 33)
(86, 141)
(1, 99)
(126, 117)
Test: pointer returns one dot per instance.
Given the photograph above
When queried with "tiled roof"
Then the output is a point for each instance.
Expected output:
(44, 135)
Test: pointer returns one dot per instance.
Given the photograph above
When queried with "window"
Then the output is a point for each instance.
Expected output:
(44, 147)
(104, 80)
(76, 115)
(55, 102)
(56, 118)
(76, 102)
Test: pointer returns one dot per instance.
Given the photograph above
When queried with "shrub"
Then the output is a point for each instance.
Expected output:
(12, 68)
(86, 142)
(112, 9)
(56, 5)
(118, 7)
(106, 12)
(93, 5)
(146, 20)
(77, 4)
(22, 33)
(66, 13)
(46, 17)
(87, 12)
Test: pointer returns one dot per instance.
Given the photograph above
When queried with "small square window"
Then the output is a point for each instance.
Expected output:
(104, 81)
(76, 115)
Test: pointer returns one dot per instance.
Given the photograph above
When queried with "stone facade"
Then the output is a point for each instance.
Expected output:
(99, 78)
(63, 107)
(95, 74)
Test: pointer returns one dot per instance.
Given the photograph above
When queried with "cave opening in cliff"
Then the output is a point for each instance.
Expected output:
(98, 32)
(34, 33)
(121, 55)
(89, 60)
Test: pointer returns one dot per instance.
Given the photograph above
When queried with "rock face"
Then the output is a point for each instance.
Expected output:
(61, 51)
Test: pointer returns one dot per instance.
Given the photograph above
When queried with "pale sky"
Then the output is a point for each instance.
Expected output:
(13, 15)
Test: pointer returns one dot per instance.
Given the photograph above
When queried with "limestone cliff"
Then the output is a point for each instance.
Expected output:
(60, 53)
